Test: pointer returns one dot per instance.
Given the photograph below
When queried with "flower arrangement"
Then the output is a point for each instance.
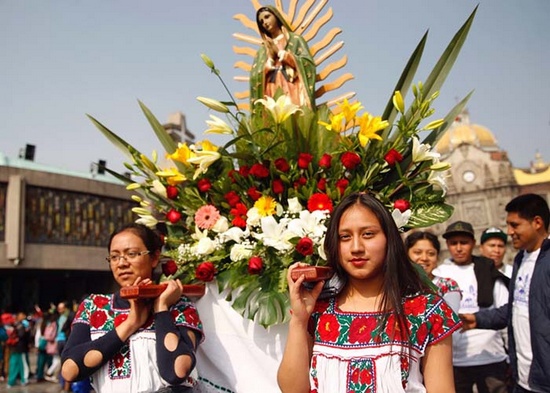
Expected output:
(241, 213)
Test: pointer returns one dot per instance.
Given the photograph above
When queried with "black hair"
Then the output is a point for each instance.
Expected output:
(150, 238)
(414, 237)
(400, 277)
(528, 206)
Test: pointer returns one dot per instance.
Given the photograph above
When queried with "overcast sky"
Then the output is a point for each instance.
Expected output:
(63, 59)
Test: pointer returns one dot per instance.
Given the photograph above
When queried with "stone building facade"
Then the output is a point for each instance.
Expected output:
(482, 178)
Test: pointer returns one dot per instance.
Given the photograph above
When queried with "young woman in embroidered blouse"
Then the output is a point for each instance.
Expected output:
(385, 330)
(136, 345)
(423, 248)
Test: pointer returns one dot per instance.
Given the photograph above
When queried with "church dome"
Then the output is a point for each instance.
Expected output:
(463, 132)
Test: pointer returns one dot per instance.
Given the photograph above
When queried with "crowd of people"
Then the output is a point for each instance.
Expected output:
(465, 324)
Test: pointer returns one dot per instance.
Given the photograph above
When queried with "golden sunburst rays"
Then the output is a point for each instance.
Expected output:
(307, 20)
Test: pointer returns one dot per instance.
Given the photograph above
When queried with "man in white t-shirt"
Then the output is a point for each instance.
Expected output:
(527, 313)
(479, 358)
(492, 245)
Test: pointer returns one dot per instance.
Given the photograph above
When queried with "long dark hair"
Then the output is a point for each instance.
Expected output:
(400, 276)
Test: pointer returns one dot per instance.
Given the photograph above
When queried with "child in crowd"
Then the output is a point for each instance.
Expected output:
(384, 331)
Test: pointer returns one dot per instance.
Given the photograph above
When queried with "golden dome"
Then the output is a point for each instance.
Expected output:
(463, 132)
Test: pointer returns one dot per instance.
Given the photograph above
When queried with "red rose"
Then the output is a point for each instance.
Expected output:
(392, 157)
(232, 198)
(173, 216)
(244, 170)
(322, 184)
(328, 327)
(304, 159)
(342, 184)
(305, 246)
(231, 175)
(169, 267)
(278, 186)
(205, 271)
(319, 201)
(401, 205)
(255, 265)
(282, 165)
(204, 185)
(350, 160)
(302, 181)
(172, 192)
(239, 210)
(254, 194)
(259, 171)
(325, 161)
(98, 318)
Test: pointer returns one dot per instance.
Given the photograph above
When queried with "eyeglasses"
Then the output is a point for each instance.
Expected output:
(128, 257)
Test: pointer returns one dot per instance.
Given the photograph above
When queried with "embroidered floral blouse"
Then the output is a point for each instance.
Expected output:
(142, 363)
(352, 354)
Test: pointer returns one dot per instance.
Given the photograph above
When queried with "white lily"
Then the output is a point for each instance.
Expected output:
(309, 224)
(280, 109)
(438, 179)
(147, 220)
(274, 234)
(235, 234)
(159, 189)
(218, 126)
(203, 159)
(421, 152)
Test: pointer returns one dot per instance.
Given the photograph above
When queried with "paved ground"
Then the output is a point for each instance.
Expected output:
(32, 387)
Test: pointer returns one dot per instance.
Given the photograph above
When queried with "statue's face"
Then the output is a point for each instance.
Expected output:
(269, 23)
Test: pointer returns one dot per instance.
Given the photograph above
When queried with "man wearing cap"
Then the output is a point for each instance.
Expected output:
(527, 314)
(479, 357)
(493, 245)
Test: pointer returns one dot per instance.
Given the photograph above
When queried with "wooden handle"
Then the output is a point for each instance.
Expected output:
(312, 273)
(142, 291)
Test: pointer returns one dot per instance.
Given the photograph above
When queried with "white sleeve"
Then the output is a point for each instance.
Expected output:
(453, 300)
(500, 294)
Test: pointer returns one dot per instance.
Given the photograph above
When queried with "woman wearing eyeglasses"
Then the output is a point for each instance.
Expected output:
(140, 345)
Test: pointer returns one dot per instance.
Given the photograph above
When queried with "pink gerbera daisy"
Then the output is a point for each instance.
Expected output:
(206, 217)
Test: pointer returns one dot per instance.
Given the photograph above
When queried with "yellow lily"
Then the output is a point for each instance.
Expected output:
(172, 175)
(349, 110)
(398, 101)
(280, 109)
(336, 123)
(182, 154)
(369, 126)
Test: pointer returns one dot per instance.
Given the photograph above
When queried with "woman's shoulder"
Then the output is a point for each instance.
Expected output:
(446, 284)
